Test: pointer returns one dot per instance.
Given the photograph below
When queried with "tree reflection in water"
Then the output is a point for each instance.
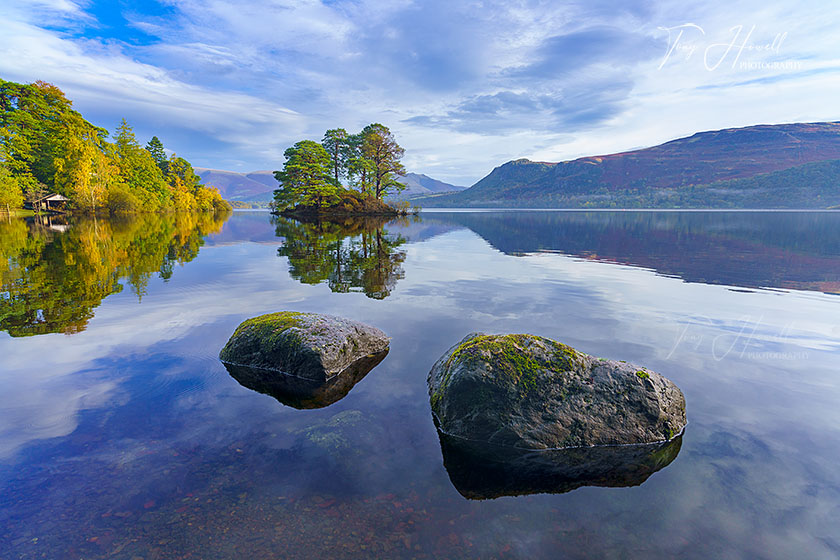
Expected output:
(53, 275)
(353, 255)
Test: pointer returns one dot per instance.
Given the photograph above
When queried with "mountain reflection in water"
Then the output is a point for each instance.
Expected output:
(788, 250)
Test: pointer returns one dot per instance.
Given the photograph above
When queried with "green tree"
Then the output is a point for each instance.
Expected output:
(383, 153)
(359, 168)
(34, 192)
(306, 178)
(87, 171)
(336, 143)
(36, 123)
(155, 148)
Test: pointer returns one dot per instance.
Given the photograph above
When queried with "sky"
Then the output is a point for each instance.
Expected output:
(464, 86)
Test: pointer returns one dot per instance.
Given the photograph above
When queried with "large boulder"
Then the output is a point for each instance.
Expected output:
(530, 392)
(305, 345)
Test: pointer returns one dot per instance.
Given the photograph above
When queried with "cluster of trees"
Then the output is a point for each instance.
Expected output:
(46, 146)
(319, 174)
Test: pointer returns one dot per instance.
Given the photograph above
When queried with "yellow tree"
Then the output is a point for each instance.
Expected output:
(11, 195)
(86, 172)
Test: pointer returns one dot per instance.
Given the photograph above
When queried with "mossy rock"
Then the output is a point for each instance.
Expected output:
(530, 392)
(305, 345)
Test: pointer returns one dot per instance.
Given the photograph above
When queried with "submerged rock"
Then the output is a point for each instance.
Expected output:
(530, 392)
(481, 471)
(305, 345)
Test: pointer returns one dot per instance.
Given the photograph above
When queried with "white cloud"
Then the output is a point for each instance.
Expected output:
(104, 81)
(234, 84)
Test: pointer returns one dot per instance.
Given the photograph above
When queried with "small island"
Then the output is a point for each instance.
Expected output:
(311, 184)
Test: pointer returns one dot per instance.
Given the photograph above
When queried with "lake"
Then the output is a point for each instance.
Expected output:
(123, 436)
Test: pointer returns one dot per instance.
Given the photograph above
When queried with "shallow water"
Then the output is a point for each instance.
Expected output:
(122, 436)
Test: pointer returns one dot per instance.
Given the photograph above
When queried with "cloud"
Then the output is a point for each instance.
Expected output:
(577, 50)
(582, 104)
(82, 371)
(232, 85)
(109, 85)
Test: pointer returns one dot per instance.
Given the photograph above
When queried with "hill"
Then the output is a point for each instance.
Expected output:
(258, 186)
(418, 184)
(763, 166)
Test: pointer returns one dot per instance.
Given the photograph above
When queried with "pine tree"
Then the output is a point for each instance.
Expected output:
(155, 147)
(306, 178)
(336, 143)
(382, 151)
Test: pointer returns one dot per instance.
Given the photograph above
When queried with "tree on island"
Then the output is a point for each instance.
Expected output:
(336, 142)
(306, 178)
(369, 160)
(359, 170)
(384, 154)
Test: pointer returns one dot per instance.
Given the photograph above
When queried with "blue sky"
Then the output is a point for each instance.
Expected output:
(465, 86)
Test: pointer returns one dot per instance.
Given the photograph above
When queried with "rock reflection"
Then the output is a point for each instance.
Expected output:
(301, 393)
(480, 471)
(353, 255)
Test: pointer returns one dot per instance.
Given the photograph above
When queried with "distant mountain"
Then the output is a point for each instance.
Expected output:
(258, 186)
(764, 166)
(419, 184)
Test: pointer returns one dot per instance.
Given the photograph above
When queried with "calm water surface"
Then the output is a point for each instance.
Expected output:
(123, 436)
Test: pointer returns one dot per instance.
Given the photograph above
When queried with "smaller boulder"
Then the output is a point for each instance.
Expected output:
(306, 345)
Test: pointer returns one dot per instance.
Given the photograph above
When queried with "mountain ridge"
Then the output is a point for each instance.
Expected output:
(259, 186)
(727, 168)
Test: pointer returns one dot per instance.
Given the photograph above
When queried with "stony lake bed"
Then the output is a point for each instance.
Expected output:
(122, 435)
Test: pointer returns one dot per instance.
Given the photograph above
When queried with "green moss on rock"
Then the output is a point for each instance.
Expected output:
(307, 345)
(528, 391)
